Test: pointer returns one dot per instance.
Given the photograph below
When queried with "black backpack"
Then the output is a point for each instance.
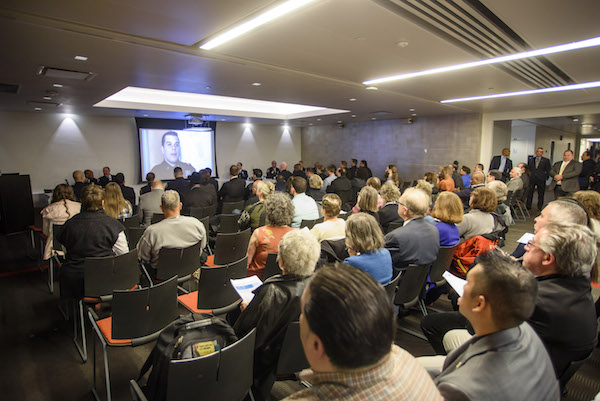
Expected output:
(189, 336)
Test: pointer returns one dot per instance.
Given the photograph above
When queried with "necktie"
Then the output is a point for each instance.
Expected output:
(537, 162)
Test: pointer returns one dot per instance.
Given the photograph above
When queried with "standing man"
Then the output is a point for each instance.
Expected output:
(539, 166)
(106, 177)
(565, 175)
(502, 163)
(273, 171)
(587, 169)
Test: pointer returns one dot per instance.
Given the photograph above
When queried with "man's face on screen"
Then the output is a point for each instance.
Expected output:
(171, 149)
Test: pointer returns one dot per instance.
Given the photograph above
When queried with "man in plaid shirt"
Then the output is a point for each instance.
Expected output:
(347, 329)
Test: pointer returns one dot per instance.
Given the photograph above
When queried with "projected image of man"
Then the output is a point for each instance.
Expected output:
(171, 150)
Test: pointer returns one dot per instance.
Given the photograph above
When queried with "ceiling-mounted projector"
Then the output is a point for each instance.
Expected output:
(194, 119)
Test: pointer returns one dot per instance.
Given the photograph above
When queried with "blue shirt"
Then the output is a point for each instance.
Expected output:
(449, 235)
(377, 263)
(466, 178)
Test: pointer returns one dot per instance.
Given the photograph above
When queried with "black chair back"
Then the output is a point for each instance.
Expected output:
(441, 264)
(201, 212)
(229, 223)
(237, 269)
(311, 223)
(178, 261)
(570, 370)
(271, 267)
(390, 288)
(156, 217)
(393, 226)
(142, 312)
(220, 376)
(56, 231)
(232, 247)
(291, 358)
(103, 275)
(205, 222)
(133, 235)
(133, 221)
(411, 285)
(229, 207)
(214, 288)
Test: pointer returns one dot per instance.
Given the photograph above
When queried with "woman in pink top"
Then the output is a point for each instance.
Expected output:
(265, 240)
(62, 208)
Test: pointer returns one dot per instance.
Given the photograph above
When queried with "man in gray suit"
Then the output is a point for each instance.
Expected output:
(565, 175)
(150, 202)
(505, 359)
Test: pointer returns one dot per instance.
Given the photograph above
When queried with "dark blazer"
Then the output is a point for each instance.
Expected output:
(145, 189)
(570, 181)
(179, 184)
(389, 214)
(509, 364)
(495, 165)
(214, 183)
(199, 196)
(415, 242)
(465, 195)
(587, 169)
(128, 194)
(233, 190)
(243, 174)
(77, 187)
(103, 180)
(540, 173)
(342, 187)
(286, 174)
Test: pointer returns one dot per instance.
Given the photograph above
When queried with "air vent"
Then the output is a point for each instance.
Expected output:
(46, 105)
(59, 73)
(9, 88)
(472, 26)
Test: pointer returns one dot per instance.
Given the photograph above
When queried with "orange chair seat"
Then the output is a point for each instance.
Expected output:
(190, 301)
(105, 326)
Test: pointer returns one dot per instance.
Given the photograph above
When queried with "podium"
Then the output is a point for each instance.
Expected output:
(16, 203)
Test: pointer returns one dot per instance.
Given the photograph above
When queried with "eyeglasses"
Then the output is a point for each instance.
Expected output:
(532, 244)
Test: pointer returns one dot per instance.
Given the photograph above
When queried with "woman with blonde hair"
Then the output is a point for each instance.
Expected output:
(332, 227)
(254, 215)
(389, 212)
(62, 208)
(115, 204)
(367, 202)
(366, 247)
(447, 213)
(374, 183)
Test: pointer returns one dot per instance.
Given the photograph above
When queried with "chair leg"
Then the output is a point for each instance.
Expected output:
(82, 349)
(106, 370)
(422, 307)
(51, 275)
(412, 333)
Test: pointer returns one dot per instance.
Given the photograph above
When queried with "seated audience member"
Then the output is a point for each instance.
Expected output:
(250, 195)
(213, 181)
(416, 241)
(425, 187)
(347, 332)
(364, 241)
(477, 180)
(505, 359)
(525, 177)
(374, 183)
(179, 184)
(391, 175)
(201, 194)
(276, 303)
(591, 200)
(389, 211)
(62, 208)
(265, 240)
(90, 233)
(89, 177)
(106, 177)
(364, 171)
(148, 187)
(331, 169)
(273, 171)
(280, 184)
(367, 202)
(446, 183)
(175, 231)
(305, 207)
(465, 174)
(127, 192)
(502, 211)
(115, 204)
(478, 167)
(315, 188)
(332, 227)
(234, 189)
(433, 179)
(479, 220)
(447, 213)
(150, 202)
(284, 171)
(352, 169)
(458, 182)
(560, 257)
(79, 184)
(515, 183)
(243, 174)
(256, 211)
(299, 171)
(494, 175)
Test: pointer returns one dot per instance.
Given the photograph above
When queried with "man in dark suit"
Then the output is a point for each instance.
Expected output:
(539, 166)
(565, 175)
(502, 163)
(147, 188)
(250, 196)
(243, 174)
(234, 189)
(128, 192)
(477, 180)
(79, 184)
(179, 184)
(106, 177)
(202, 193)
(284, 171)
(341, 186)
(89, 177)
(416, 241)
(352, 169)
(588, 165)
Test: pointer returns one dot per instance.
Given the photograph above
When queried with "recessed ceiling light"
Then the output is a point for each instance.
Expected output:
(286, 126)
(502, 59)
(413, 114)
(318, 119)
(57, 85)
(402, 43)
(371, 88)
(256, 84)
(373, 118)
(353, 115)
(261, 19)
(339, 121)
(585, 85)
(162, 100)
(411, 110)
(47, 98)
(37, 108)
(575, 120)
(352, 99)
(81, 58)
(145, 115)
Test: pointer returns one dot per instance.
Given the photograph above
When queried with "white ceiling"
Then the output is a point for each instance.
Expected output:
(318, 56)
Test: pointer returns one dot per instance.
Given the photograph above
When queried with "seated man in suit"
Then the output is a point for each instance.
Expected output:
(243, 174)
(341, 186)
(128, 192)
(175, 231)
(515, 183)
(565, 175)
(347, 332)
(416, 241)
(202, 193)
(179, 184)
(79, 184)
(305, 207)
(477, 180)
(150, 202)
(502, 163)
(106, 177)
(498, 297)
(273, 171)
(234, 189)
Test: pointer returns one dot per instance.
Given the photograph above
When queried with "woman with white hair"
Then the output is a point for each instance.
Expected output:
(276, 303)
(502, 211)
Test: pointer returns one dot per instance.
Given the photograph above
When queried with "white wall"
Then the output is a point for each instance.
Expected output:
(49, 147)
(522, 142)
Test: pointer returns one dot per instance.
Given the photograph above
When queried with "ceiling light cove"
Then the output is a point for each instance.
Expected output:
(268, 16)
(586, 85)
(502, 59)
(162, 100)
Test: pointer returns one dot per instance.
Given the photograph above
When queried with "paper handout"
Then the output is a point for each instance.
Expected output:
(245, 286)
(455, 282)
